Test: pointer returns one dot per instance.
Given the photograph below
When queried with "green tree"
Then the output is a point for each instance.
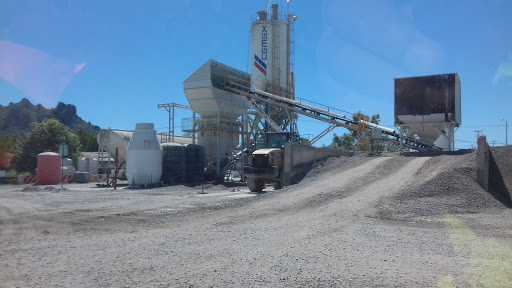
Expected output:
(6, 144)
(336, 139)
(375, 119)
(45, 136)
(346, 140)
(88, 140)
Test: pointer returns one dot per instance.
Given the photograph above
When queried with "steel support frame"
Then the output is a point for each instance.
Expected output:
(169, 107)
(323, 133)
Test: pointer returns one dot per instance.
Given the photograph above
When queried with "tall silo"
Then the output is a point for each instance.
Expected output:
(271, 50)
(271, 67)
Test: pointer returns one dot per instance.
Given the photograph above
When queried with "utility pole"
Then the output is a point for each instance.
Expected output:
(506, 131)
(493, 141)
(478, 132)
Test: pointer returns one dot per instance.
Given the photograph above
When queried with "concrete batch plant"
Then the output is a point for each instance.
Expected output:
(229, 120)
(234, 110)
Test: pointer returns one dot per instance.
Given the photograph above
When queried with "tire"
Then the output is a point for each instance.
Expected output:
(276, 185)
(255, 185)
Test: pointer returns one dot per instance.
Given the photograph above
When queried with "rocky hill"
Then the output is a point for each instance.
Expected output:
(17, 117)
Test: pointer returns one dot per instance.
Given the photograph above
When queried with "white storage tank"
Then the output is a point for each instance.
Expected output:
(93, 166)
(82, 165)
(144, 156)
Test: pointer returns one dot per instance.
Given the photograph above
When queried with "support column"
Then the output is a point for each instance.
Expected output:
(482, 162)
(217, 131)
(193, 127)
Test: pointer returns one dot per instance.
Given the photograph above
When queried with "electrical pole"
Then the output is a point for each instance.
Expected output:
(506, 131)
(478, 132)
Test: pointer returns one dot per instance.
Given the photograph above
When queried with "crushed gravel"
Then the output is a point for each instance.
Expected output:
(446, 184)
(345, 225)
(503, 157)
(31, 189)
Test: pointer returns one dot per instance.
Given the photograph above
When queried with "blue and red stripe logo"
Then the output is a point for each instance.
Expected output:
(258, 63)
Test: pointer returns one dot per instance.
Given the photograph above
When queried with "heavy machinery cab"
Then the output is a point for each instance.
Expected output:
(267, 161)
(264, 158)
(275, 139)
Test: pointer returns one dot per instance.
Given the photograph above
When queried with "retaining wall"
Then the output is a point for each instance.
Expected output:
(298, 160)
(489, 173)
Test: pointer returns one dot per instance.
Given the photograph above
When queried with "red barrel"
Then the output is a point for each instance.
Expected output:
(48, 168)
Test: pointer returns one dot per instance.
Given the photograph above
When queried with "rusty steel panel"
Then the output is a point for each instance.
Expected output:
(426, 95)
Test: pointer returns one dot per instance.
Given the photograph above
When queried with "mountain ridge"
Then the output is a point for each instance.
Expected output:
(16, 117)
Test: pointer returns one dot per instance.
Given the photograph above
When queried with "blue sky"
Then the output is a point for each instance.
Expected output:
(138, 53)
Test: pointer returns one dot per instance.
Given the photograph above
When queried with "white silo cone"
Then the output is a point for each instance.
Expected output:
(144, 156)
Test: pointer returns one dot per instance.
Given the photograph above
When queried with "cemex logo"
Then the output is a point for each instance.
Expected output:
(258, 63)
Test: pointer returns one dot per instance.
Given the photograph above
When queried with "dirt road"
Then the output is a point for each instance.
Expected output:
(339, 227)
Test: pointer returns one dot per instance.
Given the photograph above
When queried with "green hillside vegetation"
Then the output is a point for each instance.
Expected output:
(27, 130)
(17, 117)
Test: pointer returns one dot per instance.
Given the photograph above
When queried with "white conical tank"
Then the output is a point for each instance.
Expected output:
(144, 156)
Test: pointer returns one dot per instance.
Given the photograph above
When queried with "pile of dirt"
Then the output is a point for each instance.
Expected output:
(31, 189)
(35, 188)
(447, 184)
(503, 157)
(330, 165)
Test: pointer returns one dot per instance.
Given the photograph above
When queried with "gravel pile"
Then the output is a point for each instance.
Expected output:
(503, 157)
(31, 189)
(39, 189)
(330, 165)
(446, 184)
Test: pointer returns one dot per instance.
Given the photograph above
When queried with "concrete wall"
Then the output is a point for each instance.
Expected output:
(299, 158)
(489, 173)
(482, 162)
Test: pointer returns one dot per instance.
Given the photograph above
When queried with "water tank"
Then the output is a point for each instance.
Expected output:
(93, 166)
(48, 168)
(82, 165)
(173, 163)
(194, 163)
(144, 156)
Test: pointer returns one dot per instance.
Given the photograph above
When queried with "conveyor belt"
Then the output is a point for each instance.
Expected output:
(324, 115)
